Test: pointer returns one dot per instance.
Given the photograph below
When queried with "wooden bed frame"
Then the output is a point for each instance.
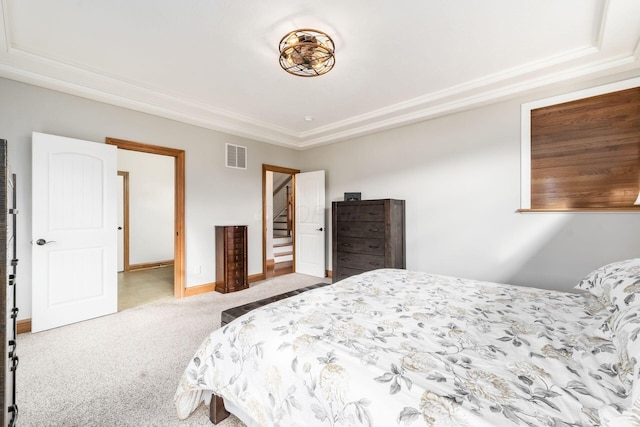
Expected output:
(217, 411)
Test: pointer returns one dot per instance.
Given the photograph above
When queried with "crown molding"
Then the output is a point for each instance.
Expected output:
(581, 63)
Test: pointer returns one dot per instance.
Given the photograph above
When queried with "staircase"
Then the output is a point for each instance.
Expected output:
(282, 229)
(282, 255)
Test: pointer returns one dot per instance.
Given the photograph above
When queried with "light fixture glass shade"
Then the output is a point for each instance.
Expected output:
(307, 53)
(637, 202)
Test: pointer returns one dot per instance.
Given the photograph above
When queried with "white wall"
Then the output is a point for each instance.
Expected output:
(215, 195)
(460, 177)
(151, 205)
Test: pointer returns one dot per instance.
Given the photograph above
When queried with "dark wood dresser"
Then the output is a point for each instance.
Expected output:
(231, 258)
(8, 306)
(366, 235)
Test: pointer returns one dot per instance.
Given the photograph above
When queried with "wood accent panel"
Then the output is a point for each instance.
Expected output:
(585, 154)
(210, 287)
(179, 204)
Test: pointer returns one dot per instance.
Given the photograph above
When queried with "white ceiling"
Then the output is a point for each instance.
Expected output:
(214, 63)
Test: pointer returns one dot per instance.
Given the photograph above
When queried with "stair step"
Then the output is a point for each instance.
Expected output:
(281, 244)
(282, 252)
(278, 259)
(282, 240)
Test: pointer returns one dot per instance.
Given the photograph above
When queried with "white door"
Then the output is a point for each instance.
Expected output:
(74, 231)
(310, 224)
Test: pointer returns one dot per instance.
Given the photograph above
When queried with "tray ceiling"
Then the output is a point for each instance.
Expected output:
(215, 63)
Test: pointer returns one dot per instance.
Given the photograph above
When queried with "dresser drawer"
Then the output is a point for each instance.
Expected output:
(361, 213)
(368, 246)
(343, 273)
(368, 230)
(360, 261)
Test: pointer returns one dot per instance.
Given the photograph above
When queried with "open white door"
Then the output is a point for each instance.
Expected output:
(74, 231)
(310, 224)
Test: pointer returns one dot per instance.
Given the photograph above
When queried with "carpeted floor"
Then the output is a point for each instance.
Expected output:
(123, 369)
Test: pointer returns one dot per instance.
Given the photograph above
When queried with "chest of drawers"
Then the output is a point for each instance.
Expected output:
(231, 258)
(367, 235)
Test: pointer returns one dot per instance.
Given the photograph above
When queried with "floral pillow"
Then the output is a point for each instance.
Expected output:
(616, 284)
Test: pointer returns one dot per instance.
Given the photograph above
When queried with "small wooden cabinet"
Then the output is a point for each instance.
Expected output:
(367, 235)
(231, 258)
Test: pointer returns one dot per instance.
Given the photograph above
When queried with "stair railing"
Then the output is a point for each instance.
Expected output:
(287, 208)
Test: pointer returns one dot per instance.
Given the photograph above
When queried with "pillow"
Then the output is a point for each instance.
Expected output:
(615, 284)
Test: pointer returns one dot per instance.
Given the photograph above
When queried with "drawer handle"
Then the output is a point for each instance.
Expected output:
(373, 213)
(374, 229)
(345, 229)
(373, 247)
(374, 263)
(346, 244)
(345, 259)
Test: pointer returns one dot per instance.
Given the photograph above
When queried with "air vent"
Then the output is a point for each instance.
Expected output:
(236, 156)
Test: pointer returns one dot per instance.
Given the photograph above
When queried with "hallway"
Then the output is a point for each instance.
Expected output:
(144, 286)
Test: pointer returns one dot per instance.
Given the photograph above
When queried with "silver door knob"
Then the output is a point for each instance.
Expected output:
(42, 242)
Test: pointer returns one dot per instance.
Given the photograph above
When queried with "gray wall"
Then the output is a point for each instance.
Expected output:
(460, 177)
(215, 194)
(459, 174)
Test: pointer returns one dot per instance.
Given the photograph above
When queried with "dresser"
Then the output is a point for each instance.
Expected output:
(8, 308)
(231, 258)
(366, 235)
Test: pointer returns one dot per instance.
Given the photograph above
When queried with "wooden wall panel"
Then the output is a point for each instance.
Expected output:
(585, 154)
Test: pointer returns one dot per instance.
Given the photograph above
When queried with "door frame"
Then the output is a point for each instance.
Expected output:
(179, 204)
(125, 219)
(279, 169)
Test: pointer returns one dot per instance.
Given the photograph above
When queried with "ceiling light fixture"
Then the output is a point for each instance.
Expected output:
(307, 53)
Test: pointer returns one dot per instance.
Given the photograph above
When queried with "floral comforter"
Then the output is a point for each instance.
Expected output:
(395, 347)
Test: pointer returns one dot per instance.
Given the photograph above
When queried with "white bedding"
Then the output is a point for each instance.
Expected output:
(395, 347)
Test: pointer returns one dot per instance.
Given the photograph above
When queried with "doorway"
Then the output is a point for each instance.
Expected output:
(278, 220)
(179, 203)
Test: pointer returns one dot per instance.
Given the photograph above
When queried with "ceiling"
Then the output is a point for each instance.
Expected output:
(214, 63)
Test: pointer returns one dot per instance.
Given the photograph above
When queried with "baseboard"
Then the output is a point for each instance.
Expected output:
(210, 287)
(148, 265)
(270, 266)
(200, 289)
(329, 273)
(23, 326)
(256, 277)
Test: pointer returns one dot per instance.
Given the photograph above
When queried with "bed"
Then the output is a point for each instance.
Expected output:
(396, 347)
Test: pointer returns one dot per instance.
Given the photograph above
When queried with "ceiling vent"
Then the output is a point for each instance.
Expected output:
(236, 156)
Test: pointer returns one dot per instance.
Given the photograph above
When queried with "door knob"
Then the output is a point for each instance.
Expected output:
(42, 242)
(320, 229)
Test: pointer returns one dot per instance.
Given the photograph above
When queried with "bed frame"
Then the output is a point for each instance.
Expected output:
(217, 411)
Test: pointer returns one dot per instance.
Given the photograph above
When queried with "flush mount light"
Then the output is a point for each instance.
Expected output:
(307, 53)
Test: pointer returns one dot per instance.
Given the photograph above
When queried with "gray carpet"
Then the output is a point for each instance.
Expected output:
(123, 369)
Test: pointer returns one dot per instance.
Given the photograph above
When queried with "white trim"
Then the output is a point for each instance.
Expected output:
(525, 141)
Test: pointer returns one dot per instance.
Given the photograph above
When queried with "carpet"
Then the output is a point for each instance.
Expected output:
(123, 369)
